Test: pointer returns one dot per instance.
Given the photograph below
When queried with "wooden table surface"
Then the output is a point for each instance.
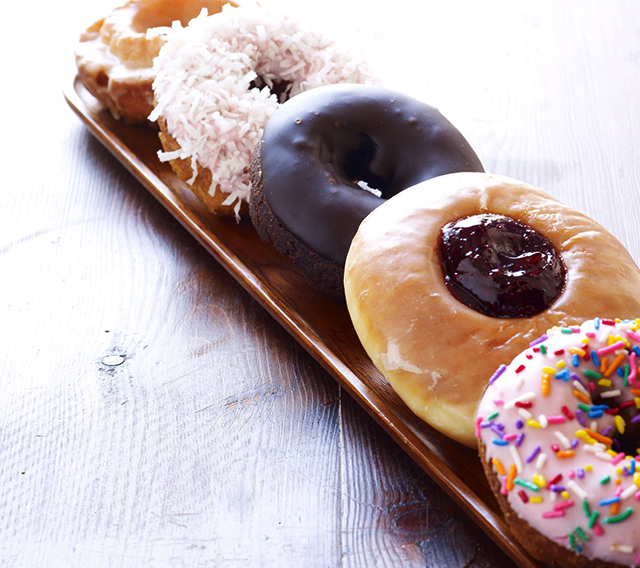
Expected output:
(218, 441)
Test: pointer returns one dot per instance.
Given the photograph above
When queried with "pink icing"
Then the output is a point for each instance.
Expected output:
(560, 462)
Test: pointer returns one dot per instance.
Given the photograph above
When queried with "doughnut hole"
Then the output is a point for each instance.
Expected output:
(629, 441)
(500, 267)
(278, 87)
(627, 438)
(359, 162)
(350, 157)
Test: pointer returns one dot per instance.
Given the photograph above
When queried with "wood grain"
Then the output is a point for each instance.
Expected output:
(219, 441)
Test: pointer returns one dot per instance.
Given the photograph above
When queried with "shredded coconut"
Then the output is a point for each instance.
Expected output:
(206, 77)
(364, 185)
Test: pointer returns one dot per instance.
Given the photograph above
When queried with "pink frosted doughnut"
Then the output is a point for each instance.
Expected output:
(559, 430)
(218, 81)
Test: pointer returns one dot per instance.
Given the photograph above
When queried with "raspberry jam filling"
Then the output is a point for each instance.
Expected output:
(499, 266)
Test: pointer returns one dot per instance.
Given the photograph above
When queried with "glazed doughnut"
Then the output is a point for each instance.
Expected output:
(436, 351)
(115, 54)
(559, 431)
(330, 156)
(220, 79)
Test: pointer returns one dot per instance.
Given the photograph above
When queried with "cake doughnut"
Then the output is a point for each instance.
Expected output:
(330, 156)
(115, 54)
(559, 431)
(437, 350)
(219, 80)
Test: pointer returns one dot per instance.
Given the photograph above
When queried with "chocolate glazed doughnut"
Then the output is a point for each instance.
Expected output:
(330, 156)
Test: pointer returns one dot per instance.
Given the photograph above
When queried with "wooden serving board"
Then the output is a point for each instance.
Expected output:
(321, 325)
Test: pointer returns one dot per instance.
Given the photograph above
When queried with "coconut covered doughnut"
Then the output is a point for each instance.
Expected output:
(221, 78)
(115, 54)
(559, 431)
(330, 156)
(530, 263)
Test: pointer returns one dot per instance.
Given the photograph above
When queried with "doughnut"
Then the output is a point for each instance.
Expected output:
(219, 80)
(437, 350)
(559, 431)
(115, 55)
(330, 156)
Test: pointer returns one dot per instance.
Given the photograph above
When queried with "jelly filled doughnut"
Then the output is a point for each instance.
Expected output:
(559, 432)
(115, 54)
(220, 79)
(330, 156)
(452, 277)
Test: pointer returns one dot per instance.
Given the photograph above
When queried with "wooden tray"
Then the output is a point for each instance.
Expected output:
(321, 325)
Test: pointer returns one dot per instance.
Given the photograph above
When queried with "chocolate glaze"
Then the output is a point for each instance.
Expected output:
(499, 266)
(320, 143)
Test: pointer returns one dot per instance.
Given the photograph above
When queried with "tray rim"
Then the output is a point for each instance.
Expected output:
(407, 438)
